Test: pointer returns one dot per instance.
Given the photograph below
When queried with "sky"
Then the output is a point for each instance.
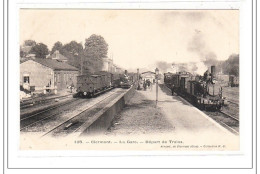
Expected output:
(140, 38)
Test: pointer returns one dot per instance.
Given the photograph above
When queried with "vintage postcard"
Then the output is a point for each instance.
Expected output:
(142, 80)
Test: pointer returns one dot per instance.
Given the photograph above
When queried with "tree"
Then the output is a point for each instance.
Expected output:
(29, 43)
(95, 49)
(74, 48)
(231, 66)
(40, 50)
(57, 46)
(74, 52)
(22, 53)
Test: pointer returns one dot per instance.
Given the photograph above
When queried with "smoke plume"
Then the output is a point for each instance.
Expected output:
(163, 66)
(198, 45)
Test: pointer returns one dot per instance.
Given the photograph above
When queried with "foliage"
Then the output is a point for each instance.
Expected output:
(231, 66)
(57, 46)
(40, 50)
(89, 58)
(73, 51)
(95, 49)
(74, 48)
(29, 43)
(22, 53)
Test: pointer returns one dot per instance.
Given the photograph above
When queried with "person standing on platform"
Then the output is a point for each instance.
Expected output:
(144, 85)
(172, 89)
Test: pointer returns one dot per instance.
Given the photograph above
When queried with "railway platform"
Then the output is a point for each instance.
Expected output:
(175, 118)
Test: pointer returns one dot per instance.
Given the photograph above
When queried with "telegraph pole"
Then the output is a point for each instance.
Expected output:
(81, 62)
(156, 77)
(81, 65)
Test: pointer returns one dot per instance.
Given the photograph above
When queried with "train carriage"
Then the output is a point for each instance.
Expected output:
(90, 85)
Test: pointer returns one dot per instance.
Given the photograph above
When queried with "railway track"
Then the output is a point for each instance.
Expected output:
(234, 127)
(228, 121)
(38, 101)
(30, 119)
(75, 122)
(232, 103)
(228, 115)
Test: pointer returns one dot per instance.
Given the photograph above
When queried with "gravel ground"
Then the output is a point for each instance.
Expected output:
(67, 113)
(140, 116)
(232, 95)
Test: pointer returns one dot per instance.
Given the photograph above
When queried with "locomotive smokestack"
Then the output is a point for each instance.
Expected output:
(213, 72)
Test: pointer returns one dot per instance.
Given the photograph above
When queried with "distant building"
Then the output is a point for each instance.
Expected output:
(148, 75)
(37, 74)
(107, 65)
(117, 69)
(58, 56)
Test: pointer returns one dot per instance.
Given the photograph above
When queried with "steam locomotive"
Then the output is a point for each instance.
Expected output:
(90, 85)
(127, 80)
(203, 91)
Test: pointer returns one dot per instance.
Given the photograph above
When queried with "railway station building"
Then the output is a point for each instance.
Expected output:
(148, 75)
(38, 74)
(109, 66)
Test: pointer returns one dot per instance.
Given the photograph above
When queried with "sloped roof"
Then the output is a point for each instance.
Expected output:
(54, 64)
(148, 72)
(58, 55)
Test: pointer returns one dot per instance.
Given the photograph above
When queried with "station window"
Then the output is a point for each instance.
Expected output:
(26, 79)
